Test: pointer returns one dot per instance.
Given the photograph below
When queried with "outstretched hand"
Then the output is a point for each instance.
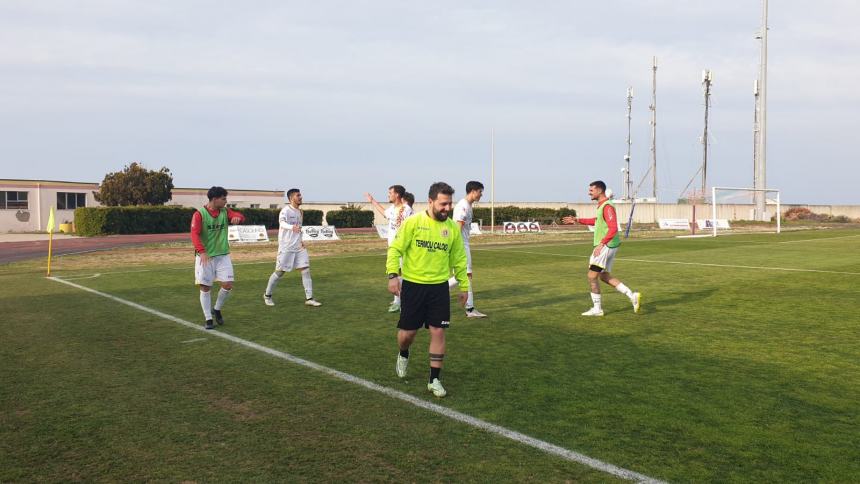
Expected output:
(568, 220)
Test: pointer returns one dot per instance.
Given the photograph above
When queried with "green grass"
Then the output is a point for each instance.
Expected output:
(728, 374)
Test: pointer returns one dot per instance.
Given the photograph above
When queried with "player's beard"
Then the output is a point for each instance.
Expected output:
(441, 215)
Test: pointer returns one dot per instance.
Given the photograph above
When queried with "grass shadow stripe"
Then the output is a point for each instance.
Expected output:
(390, 392)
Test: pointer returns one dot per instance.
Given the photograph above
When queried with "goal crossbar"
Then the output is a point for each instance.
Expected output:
(763, 190)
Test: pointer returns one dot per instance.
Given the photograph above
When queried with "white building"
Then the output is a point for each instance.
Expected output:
(25, 204)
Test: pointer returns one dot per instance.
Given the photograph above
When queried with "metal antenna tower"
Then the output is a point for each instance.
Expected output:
(707, 79)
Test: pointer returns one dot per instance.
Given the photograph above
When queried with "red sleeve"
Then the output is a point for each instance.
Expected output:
(196, 230)
(611, 222)
(586, 221)
(232, 213)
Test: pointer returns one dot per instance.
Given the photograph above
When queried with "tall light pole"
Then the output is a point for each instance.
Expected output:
(653, 108)
(628, 184)
(493, 180)
(760, 181)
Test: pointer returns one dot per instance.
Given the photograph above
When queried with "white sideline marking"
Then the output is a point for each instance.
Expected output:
(438, 409)
(705, 264)
(194, 340)
(93, 276)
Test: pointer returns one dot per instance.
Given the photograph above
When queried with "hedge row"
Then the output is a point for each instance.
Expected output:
(349, 218)
(545, 216)
(91, 221)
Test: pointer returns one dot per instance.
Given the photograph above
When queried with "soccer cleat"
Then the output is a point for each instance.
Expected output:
(218, 318)
(312, 302)
(209, 324)
(437, 388)
(637, 300)
(394, 308)
(267, 298)
(474, 313)
(402, 364)
(593, 312)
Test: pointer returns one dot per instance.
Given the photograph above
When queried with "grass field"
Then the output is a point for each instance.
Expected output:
(743, 366)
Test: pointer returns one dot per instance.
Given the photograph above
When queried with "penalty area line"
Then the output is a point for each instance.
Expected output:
(702, 264)
(390, 392)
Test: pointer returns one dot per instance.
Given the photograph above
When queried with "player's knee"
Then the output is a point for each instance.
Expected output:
(279, 274)
(227, 286)
(204, 288)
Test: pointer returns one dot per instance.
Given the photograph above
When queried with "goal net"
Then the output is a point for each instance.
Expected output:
(743, 209)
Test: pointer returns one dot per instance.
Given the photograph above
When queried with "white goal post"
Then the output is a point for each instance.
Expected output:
(756, 191)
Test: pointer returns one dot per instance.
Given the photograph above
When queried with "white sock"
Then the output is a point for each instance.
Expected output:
(470, 299)
(223, 294)
(595, 298)
(273, 281)
(452, 282)
(624, 290)
(206, 304)
(308, 284)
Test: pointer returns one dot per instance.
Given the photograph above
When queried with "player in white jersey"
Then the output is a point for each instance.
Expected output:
(463, 217)
(396, 213)
(292, 253)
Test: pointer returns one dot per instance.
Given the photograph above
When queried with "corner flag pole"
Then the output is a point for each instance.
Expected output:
(493, 180)
(50, 229)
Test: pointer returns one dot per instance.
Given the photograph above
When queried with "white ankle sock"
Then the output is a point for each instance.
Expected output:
(624, 290)
(223, 294)
(308, 284)
(273, 281)
(595, 298)
(206, 304)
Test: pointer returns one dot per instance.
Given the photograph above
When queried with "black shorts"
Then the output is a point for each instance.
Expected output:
(424, 305)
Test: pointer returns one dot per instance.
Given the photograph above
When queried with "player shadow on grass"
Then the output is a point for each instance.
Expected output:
(676, 298)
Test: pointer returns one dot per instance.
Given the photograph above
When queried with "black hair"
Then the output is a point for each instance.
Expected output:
(216, 192)
(398, 189)
(290, 193)
(409, 198)
(599, 184)
(473, 185)
(440, 187)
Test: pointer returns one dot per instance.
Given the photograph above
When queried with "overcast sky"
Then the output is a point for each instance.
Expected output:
(338, 98)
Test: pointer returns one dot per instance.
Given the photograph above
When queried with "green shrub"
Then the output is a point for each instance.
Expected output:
(545, 216)
(312, 217)
(91, 221)
(349, 218)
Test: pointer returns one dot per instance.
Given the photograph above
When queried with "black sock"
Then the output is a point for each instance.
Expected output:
(404, 353)
(434, 373)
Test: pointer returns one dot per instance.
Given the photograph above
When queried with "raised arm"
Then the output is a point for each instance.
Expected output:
(375, 204)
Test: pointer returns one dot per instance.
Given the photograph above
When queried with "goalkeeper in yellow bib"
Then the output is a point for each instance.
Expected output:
(606, 243)
(431, 247)
(212, 262)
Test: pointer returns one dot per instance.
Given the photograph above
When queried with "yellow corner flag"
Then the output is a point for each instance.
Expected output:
(51, 225)
(50, 229)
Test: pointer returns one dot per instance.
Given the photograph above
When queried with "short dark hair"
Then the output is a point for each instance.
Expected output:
(291, 191)
(473, 185)
(216, 192)
(398, 189)
(409, 198)
(440, 187)
(599, 184)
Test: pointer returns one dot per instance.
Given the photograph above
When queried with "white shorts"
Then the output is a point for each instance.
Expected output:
(603, 260)
(289, 260)
(219, 268)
